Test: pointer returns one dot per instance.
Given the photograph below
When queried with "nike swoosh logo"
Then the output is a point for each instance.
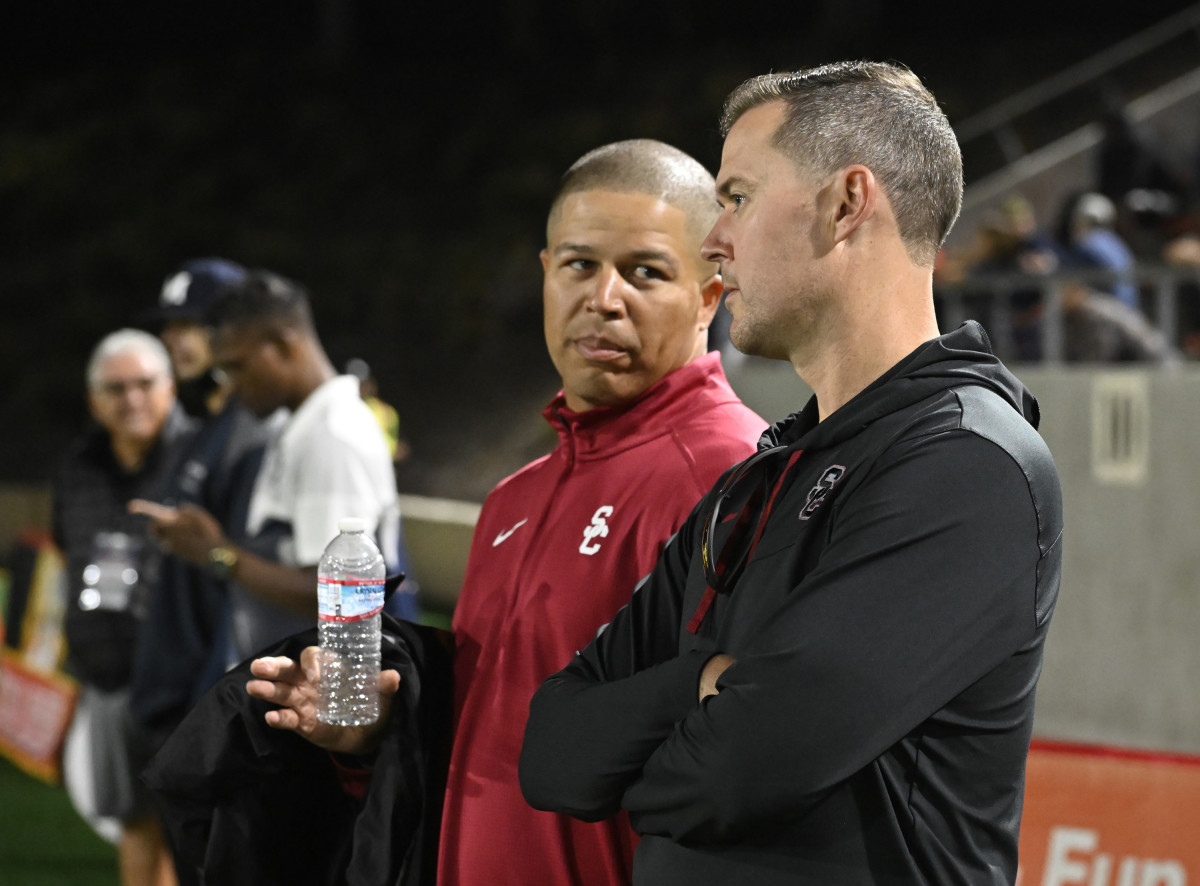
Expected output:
(505, 533)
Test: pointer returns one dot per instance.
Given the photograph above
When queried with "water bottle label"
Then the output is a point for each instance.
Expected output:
(344, 601)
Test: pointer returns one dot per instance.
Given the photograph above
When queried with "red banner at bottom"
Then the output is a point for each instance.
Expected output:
(1098, 816)
(35, 711)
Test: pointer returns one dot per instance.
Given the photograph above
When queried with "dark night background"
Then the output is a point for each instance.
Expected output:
(397, 159)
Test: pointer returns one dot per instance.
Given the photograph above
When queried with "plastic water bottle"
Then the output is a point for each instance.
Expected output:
(350, 597)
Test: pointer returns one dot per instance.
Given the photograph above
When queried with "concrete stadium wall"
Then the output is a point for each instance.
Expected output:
(438, 535)
(1123, 657)
(1122, 661)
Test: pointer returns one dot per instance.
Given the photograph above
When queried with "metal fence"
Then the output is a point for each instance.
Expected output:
(1007, 304)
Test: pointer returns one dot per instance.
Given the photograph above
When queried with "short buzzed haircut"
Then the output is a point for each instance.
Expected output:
(264, 300)
(123, 341)
(876, 114)
(645, 166)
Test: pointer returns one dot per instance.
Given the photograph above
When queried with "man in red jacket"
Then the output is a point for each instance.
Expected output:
(646, 424)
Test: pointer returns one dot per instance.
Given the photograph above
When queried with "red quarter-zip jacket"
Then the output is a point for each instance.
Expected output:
(558, 549)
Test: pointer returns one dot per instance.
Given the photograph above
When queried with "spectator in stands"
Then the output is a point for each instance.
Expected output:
(1028, 248)
(1093, 242)
(1011, 247)
(1182, 253)
(991, 280)
(111, 567)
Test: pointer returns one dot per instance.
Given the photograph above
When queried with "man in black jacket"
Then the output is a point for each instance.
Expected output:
(184, 649)
(829, 676)
(130, 450)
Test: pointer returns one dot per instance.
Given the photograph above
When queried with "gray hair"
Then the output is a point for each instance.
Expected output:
(646, 166)
(879, 115)
(120, 342)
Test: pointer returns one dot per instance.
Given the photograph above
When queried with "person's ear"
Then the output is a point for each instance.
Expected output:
(711, 291)
(283, 341)
(854, 193)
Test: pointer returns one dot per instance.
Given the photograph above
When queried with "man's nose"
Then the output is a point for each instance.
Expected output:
(716, 245)
(607, 293)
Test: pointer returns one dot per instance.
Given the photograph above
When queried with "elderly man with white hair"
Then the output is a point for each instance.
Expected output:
(126, 453)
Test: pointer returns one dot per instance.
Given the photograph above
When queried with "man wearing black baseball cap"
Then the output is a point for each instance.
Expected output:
(183, 647)
(183, 302)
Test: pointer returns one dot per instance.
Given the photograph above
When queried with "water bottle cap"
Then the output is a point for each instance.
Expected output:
(352, 524)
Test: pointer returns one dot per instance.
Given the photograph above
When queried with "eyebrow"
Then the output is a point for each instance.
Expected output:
(665, 258)
(725, 188)
(147, 379)
(658, 255)
(573, 247)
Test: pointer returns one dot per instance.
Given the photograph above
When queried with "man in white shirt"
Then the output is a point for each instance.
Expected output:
(328, 460)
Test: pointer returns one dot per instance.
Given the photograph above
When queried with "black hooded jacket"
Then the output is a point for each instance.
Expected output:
(887, 629)
(246, 805)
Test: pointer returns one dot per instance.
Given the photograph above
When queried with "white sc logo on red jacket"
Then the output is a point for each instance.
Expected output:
(598, 528)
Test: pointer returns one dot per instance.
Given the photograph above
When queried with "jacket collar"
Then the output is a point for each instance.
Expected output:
(961, 357)
(609, 429)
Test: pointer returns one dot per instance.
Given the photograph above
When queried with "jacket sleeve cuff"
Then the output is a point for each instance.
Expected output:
(353, 774)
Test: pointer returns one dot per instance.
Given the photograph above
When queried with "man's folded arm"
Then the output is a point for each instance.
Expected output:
(593, 724)
(927, 586)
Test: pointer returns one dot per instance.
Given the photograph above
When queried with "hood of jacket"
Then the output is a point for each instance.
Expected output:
(961, 357)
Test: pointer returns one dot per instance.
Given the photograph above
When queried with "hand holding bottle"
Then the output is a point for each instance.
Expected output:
(294, 686)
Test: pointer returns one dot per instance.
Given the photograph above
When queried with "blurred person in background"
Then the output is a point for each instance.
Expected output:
(1011, 246)
(138, 433)
(1182, 253)
(1088, 229)
(184, 647)
(385, 413)
(389, 421)
(328, 460)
